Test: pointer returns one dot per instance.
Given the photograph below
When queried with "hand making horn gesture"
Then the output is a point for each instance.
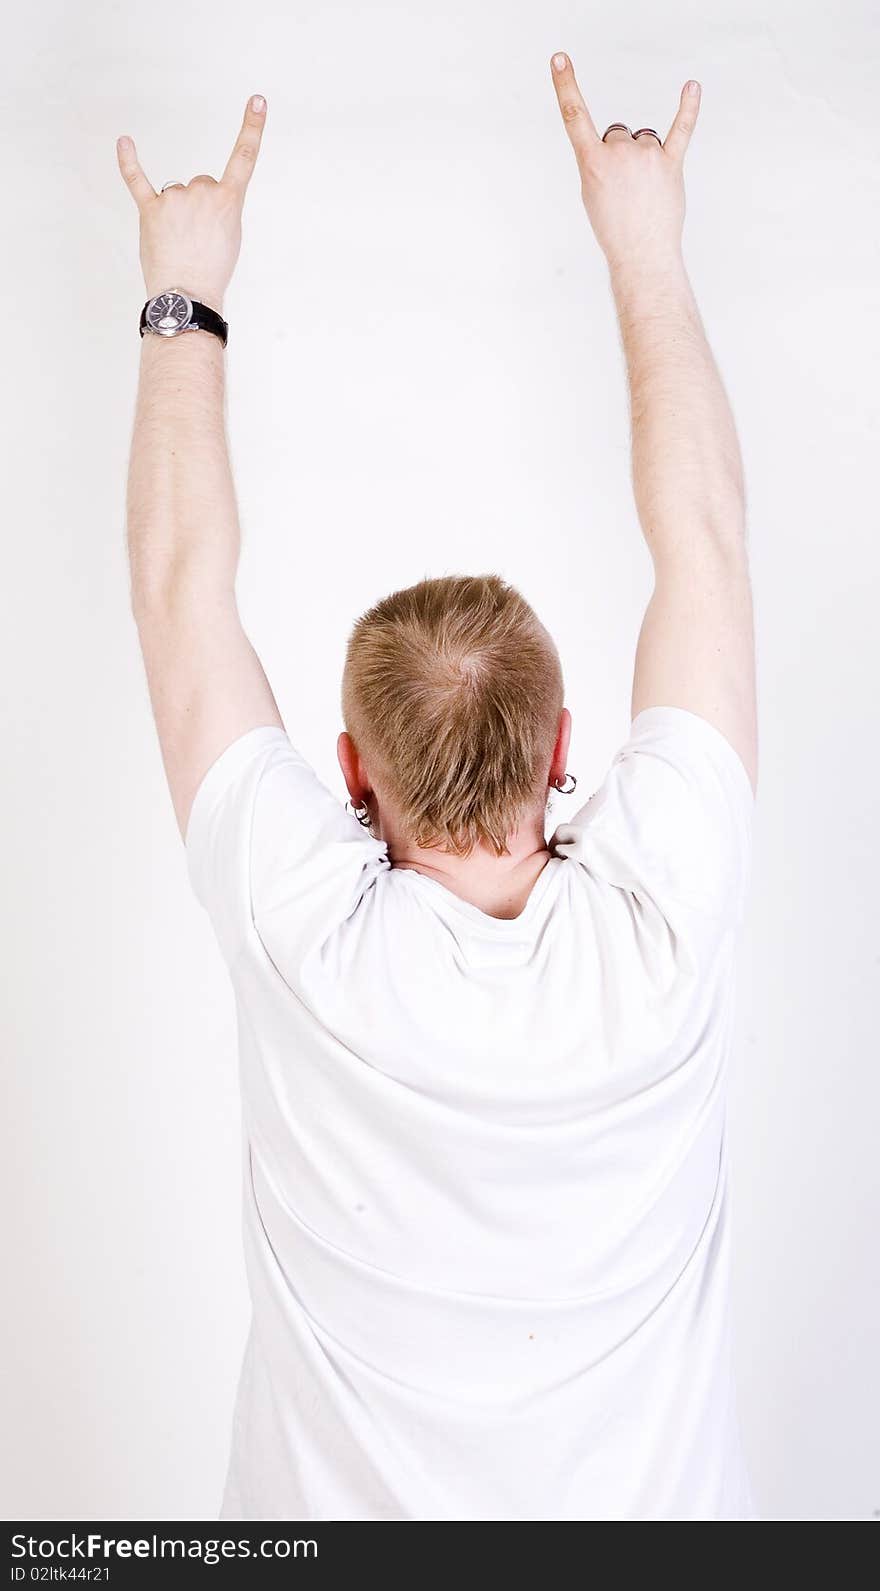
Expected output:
(191, 233)
(631, 183)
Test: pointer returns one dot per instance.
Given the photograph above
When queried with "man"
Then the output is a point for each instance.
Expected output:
(483, 1075)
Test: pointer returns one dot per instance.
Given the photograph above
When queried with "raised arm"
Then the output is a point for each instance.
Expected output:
(696, 646)
(207, 686)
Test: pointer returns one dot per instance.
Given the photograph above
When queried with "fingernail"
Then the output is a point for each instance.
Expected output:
(258, 103)
(559, 62)
(693, 86)
(123, 143)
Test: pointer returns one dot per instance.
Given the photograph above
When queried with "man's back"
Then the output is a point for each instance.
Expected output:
(484, 1158)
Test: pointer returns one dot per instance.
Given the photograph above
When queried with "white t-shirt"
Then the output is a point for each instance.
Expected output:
(485, 1208)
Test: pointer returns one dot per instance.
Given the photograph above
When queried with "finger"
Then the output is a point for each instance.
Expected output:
(577, 119)
(140, 187)
(679, 135)
(240, 165)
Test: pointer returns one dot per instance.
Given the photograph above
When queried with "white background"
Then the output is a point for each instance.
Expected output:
(424, 378)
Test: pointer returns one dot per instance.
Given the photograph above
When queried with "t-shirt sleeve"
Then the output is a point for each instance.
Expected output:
(672, 822)
(269, 849)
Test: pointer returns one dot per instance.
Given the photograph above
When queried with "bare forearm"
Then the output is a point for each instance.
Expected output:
(182, 517)
(687, 468)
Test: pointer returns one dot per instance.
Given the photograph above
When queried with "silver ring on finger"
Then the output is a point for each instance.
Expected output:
(616, 127)
(171, 185)
(650, 133)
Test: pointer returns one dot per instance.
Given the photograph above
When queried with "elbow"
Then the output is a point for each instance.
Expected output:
(164, 588)
(179, 606)
(714, 526)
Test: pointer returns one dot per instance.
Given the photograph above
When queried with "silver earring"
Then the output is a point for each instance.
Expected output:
(566, 788)
(362, 814)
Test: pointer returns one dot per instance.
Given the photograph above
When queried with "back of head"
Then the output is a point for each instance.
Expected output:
(452, 694)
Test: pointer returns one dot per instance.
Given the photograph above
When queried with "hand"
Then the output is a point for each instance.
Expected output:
(191, 237)
(632, 188)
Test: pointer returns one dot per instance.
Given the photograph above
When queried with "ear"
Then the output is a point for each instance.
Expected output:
(560, 750)
(352, 770)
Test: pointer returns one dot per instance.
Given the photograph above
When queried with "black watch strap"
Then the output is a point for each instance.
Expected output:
(203, 319)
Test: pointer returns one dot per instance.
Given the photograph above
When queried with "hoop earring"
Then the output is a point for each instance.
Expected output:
(362, 815)
(565, 788)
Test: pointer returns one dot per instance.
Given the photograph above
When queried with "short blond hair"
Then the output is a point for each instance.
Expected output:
(452, 694)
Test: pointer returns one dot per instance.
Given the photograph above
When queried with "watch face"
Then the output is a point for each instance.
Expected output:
(169, 313)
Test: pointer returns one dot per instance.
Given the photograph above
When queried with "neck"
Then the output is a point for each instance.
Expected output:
(498, 885)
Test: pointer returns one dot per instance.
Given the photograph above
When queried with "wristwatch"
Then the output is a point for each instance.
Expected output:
(172, 312)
